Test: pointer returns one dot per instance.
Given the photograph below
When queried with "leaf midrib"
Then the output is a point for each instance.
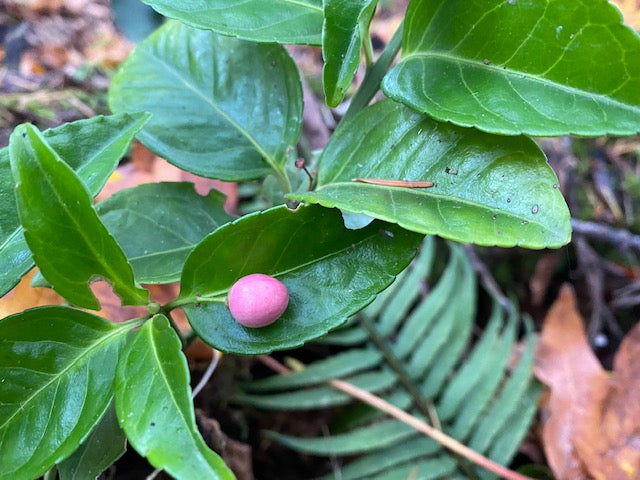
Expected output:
(91, 348)
(270, 160)
(111, 274)
(81, 168)
(601, 97)
(308, 5)
(168, 385)
(430, 196)
(218, 293)
(299, 3)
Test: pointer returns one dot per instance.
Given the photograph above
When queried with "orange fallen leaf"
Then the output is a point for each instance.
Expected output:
(145, 167)
(591, 421)
(631, 11)
(23, 296)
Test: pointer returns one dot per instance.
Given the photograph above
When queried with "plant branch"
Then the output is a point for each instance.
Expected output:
(382, 405)
(179, 302)
(487, 279)
(604, 233)
(206, 376)
(368, 49)
(283, 179)
(375, 74)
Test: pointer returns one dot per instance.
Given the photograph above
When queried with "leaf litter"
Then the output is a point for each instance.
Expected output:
(591, 420)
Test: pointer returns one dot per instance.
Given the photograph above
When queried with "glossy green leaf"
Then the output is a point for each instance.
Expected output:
(99, 451)
(540, 67)
(57, 367)
(154, 407)
(158, 224)
(330, 272)
(69, 243)
(92, 148)
(279, 21)
(488, 190)
(222, 108)
(346, 23)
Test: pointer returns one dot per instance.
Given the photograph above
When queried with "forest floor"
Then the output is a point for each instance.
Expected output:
(56, 61)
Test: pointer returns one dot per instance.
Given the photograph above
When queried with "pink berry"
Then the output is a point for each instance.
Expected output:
(257, 300)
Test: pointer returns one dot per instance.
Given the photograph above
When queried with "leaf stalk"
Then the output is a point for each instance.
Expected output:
(375, 74)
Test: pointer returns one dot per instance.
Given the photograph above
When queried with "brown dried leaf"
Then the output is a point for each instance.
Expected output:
(565, 363)
(631, 11)
(542, 276)
(111, 307)
(148, 168)
(24, 296)
(610, 446)
(591, 420)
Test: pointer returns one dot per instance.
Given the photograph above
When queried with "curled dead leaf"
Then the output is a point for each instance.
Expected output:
(591, 420)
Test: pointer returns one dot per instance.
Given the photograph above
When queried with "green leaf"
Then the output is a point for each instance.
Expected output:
(57, 367)
(431, 469)
(99, 451)
(368, 465)
(158, 224)
(339, 365)
(540, 67)
(279, 21)
(346, 23)
(320, 397)
(330, 272)
(69, 243)
(383, 434)
(222, 108)
(92, 148)
(153, 403)
(488, 190)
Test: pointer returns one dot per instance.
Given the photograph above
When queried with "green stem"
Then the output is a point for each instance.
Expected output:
(375, 74)
(283, 179)
(179, 302)
(368, 49)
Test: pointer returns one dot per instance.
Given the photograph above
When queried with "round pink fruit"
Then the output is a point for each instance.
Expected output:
(257, 300)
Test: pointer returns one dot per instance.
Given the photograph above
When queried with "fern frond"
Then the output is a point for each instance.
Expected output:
(411, 346)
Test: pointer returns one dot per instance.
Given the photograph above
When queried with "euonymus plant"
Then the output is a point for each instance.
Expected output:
(214, 92)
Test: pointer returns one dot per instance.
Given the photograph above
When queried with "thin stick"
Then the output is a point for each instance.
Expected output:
(487, 279)
(206, 376)
(153, 474)
(623, 239)
(440, 437)
(394, 183)
(51, 474)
